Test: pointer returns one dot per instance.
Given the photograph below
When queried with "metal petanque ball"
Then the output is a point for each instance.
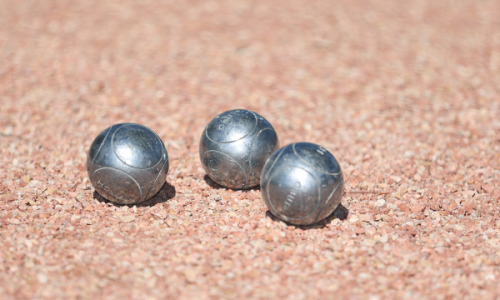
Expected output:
(302, 183)
(235, 146)
(127, 163)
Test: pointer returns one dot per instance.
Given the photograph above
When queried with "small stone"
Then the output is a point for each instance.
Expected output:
(366, 217)
(190, 274)
(490, 277)
(127, 219)
(434, 206)
(359, 230)
(380, 203)
(77, 204)
(42, 278)
(468, 207)
(488, 188)
(50, 191)
(384, 238)
(403, 207)
(452, 206)
(353, 219)
(397, 179)
(417, 208)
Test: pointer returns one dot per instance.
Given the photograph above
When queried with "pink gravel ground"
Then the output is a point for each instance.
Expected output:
(406, 95)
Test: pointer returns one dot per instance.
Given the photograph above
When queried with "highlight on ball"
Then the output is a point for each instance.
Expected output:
(234, 147)
(127, 163)
(302, 183)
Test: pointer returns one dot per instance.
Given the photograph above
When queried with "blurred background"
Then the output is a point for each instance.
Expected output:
(298, 62)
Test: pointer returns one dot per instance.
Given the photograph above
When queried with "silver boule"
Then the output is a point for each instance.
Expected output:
(127, 163)
(302, 183)
(235, 146)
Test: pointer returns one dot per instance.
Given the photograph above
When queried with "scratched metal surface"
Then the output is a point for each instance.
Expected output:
(302, 183)
(234, 147)
(127, 163)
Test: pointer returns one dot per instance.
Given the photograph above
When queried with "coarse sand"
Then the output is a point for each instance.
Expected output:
(405, 94)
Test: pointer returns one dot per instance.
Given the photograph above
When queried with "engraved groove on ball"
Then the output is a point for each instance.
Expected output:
(282, 184)
(339, 184)
(223, 129)
(303, 194)
(108, 180)
(329, 165)
(156, 179)
(93, 154)
(220, 165)
(145, 153)
(263, 155)
(279, 153)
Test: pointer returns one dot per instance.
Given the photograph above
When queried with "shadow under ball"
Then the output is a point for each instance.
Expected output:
(127, 163)
(302, 183)
(235, 146)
